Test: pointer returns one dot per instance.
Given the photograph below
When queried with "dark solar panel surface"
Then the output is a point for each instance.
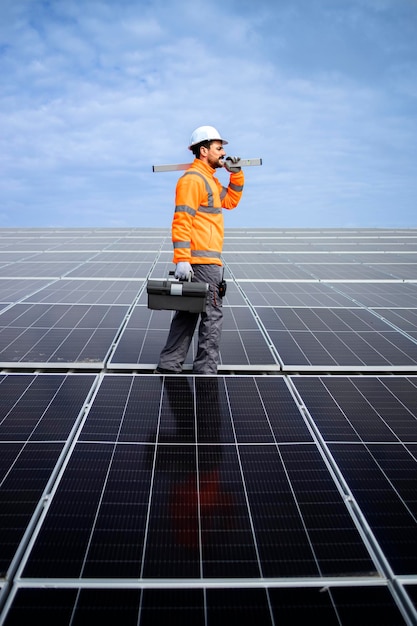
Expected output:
(26, 269)
(214, 606)
(180, 508)
(110, 269)
(392, 294)
(88, 292)
(242, 343)
(282, 489)
(37, 415)
(58, 334)
(345, 338)
(14, 290)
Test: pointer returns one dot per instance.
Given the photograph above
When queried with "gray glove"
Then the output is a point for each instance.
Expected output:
(184, 271)
(229, 164)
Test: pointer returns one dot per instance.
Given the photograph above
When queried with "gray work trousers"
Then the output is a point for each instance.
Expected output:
(184, 324)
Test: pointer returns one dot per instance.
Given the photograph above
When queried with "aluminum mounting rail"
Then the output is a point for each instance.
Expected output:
(184, 166)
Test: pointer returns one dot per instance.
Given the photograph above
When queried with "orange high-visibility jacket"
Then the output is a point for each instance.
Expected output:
(198, 225)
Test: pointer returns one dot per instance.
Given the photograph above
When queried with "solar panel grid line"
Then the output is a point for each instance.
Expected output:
(404, 332)
(401, 319)
(61, 268)
(153, 481)
(30, 348)
(124, 324)
(369, 298)
(38, 290)
(200, 483)
(54, 256)
(19, 399)
(403, 271)
(34, 435)
(102, 279)
(361, 522)
(246, 495)
(55, 477)
(99, 504)
(214, 604)
(297, 295)
(270, 334)
(373, 447)
(396, 490)
(365, 281)
(252, 323)
(16, 550)
(128, 317)
(397, 555)
(253, 311)
(80, 292)
(311, 546)
(365, 406)
(401, 351)
(60, 327)
(319, 584)
(376, 346)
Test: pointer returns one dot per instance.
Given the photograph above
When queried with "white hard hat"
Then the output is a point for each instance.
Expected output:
(205, 133)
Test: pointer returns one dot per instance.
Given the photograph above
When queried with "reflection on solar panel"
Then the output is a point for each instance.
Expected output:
(282, 489)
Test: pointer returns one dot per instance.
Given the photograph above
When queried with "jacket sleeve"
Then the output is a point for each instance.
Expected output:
(188, 195)
(230, 196)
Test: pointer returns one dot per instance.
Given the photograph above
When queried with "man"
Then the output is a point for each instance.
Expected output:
(197, 236)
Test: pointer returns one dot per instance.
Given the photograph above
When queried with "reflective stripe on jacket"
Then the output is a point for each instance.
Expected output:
(198, 225)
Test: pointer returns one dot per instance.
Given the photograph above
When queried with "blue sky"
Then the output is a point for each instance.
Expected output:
(95, 92)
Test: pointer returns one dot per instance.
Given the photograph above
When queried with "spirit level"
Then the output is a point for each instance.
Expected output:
(184, 166)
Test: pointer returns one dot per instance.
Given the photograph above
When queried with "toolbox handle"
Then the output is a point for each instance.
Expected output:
(172, 273)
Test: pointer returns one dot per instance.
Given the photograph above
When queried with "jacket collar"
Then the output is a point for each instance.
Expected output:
(203, 167)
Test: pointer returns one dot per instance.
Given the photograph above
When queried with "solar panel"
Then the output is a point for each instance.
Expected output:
(281, 489)
(247, 507)
(392, 295)
(403, 271)
(15, 290)
(217, 605)
(162, 268)
(405, 319)
(125, 256)
(58, 334)
(349, 257)
(343, 338)
(37, 415)
(278, 293)
(242, 346)
(262, 271)
(36, 270)
(370, 426)
(73, 291)
(53, 256)
(12, 257)
(110, 269)
(345, 271)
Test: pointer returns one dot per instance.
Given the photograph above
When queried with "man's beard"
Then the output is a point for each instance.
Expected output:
(217, 163)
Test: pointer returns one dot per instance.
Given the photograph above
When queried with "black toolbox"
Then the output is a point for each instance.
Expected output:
(177, 295)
